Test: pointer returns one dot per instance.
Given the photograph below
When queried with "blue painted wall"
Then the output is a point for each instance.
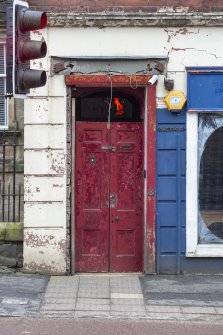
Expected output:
(171, 200)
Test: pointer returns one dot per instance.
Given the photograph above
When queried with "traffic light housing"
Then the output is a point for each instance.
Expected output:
(9, 52)
(24, 49)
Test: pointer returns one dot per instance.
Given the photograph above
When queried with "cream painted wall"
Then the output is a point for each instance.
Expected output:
(45, 120)
(45, 173)
(184, 46)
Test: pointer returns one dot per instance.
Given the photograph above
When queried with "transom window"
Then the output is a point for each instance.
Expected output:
(102, 107)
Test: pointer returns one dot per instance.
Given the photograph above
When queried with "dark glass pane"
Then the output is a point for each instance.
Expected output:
(211, 182)
(97, 108)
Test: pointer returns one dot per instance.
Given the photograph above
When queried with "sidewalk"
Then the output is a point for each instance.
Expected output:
(122, 296)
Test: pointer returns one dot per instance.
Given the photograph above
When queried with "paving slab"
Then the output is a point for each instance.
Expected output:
(114, 296)
(21, 294)
(126, 301)
(127, 308)
(92, 305)
(58, 307)
(163, 309)
(198, 310)
(186, 290)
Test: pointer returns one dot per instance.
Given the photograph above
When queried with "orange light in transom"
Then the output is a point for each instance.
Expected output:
(119, 107)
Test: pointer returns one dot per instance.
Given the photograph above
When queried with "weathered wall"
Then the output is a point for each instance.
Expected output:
(45, 175)
(128, 6)
(45, 120)
(11, 234)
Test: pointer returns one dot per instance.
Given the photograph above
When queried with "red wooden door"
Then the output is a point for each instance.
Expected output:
(92, 187)
(109, 206)
(126, 204)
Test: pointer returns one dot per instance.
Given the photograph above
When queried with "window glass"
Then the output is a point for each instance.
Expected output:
(210, 172)
(97, 107)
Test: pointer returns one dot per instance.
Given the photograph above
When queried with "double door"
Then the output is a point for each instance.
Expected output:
(109, 197)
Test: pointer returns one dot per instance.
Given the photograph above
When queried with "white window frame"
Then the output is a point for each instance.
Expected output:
(193, 248)
(3, 75)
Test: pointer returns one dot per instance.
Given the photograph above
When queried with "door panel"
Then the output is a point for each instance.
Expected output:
(109, 206)
(92, 212)
(126, 183)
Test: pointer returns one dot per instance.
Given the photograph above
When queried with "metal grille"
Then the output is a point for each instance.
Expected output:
(11, 178)
(2, 66)
(3, 103)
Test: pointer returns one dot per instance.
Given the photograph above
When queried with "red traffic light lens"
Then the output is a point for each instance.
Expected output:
(43, 21)
(32, 20)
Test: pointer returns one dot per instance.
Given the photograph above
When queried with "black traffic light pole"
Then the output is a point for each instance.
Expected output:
(20, 49)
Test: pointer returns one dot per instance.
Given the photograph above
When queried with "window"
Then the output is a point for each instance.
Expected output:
(3, 101)
(210, 178)
(97, 106)
(204, 187)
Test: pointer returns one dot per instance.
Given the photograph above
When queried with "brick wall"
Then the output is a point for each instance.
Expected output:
(3, 5)
(127, 5)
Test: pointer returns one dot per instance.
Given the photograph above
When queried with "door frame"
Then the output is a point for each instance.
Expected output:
(149, 215)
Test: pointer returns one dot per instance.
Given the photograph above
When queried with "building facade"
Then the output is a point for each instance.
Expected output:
(11, 164)
(114, 180)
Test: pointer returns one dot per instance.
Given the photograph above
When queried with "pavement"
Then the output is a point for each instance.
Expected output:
(113, 296)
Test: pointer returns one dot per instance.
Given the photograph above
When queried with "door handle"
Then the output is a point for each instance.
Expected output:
(113, 200)
(108, 147)
(116, 218)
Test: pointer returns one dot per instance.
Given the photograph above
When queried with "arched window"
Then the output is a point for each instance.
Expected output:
(211, 179)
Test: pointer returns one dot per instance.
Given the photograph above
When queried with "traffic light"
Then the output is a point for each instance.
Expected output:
(9, 51)
(24, 49)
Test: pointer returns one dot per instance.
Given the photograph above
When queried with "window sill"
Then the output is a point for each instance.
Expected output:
(206, 250)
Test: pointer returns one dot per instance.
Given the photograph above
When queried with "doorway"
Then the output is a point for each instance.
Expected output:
(109, 183)
(80, 85)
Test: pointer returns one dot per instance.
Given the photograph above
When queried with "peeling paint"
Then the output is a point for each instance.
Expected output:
(34, 267)
(165, 17)
(35, 240)
(57, 185)
(181, 31)
(197, 50)
(37, 32)
(62, 247)
(58, 163)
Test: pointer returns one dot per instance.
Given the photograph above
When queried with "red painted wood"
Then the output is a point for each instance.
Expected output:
(151, 181)
(105, 80)
(92, 212)
(126, 214)
(150, 102)
(109, 181)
